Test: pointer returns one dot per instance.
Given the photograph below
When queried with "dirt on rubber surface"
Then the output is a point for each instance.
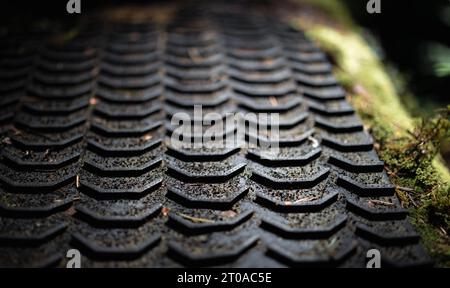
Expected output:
(87, 161)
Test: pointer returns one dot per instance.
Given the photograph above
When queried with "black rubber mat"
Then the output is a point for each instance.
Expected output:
(87, 162)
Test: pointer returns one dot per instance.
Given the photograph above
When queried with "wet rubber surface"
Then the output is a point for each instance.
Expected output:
(87, 162)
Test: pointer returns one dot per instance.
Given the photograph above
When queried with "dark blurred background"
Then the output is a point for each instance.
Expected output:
(415, 37)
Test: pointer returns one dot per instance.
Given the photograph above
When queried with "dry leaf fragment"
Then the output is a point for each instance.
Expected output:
(315, 142)
(406, 189)
(360, 90)
(165, 211)
(194, 54)
(332, 242)
(6, 141)
(71, 211)
(268, 61)
(16, 131)
(379, 202)
(273, 101)
(302, 200)
(196, 219)
(47, 151)
(412, 200)
(228, 214)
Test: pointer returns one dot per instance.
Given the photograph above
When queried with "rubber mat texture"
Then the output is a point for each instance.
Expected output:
(86, 160)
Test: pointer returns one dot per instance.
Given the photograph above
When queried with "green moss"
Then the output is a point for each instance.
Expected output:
(363, 75)
(409, 147)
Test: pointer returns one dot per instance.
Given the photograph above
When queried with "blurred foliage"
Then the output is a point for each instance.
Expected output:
(439, 56)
